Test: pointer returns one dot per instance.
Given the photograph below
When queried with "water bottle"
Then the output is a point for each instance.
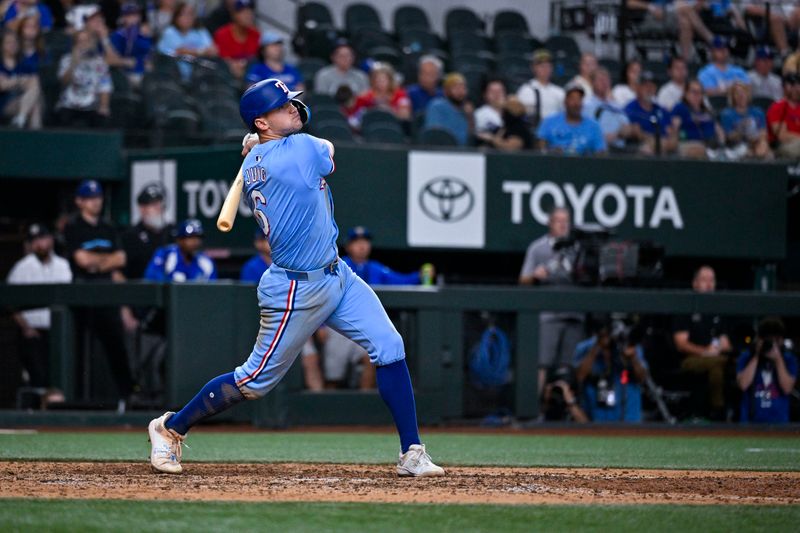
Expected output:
(426, 274)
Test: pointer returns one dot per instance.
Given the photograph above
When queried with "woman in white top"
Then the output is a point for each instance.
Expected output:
(625, 93)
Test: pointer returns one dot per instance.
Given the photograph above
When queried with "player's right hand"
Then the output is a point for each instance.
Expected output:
(250, 140)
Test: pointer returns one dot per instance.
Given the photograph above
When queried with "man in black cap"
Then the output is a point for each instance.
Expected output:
(40, 265)
(151, 232)
(94, 252)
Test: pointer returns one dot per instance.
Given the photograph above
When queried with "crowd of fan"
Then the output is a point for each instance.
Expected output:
(724, 112)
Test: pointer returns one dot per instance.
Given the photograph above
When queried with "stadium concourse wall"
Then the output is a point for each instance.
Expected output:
(211, 327)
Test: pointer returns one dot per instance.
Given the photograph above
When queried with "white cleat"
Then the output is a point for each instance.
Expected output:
(417, 463)
(165, 451)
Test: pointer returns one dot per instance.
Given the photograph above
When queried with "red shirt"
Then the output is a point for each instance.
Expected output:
(230, 47)
(367, 101)
(782, 112)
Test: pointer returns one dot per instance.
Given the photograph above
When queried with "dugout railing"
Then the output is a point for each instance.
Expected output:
(211, 328)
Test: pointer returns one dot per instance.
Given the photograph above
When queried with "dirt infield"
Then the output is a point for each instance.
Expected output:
(378, 483)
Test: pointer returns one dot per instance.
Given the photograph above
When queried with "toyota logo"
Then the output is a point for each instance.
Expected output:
(446, 199)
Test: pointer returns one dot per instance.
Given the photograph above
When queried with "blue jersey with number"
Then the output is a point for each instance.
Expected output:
(284, 183)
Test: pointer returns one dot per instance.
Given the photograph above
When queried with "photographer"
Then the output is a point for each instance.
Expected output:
(766, 376)
(559, 402)
(559, 333)
(610, 366)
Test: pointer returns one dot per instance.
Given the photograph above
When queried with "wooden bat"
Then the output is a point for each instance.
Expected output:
(231, 204)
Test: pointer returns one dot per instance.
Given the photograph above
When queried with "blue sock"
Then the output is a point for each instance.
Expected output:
(216, 396)
(394, 385)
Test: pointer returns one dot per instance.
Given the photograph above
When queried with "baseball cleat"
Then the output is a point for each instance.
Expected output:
(417, 463)
(165, 450)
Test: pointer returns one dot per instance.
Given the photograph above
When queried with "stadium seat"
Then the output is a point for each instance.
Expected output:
(386, 54)
(468, 41)
(326, 114)
(318, 42)
(472, 62)
(333, 131)
(120, 81)
(436, 137)
(57, 43)
(374, 117)
(475, 80)
(510, 21)
(126, 111)
(382, 134)
(309, 67)
(166, 64)
(370, 38)
(313, 15)
(563, 43)
(462, 19)
(513, 43)
(418, 40)
(410, 17)
(718, 103)
(763, 102)
(614, 68)
(180, 126)
(358, 17)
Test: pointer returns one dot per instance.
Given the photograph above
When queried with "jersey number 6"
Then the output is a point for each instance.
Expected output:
(259, 202)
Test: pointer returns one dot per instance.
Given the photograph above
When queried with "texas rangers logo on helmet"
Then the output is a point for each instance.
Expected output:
(280, 85)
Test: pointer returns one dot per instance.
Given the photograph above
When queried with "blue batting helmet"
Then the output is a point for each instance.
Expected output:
(267, 95)
(189, 228)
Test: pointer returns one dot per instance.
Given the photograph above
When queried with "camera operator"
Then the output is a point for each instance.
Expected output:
(559, 333)
(611, 366)
(559, 402)
(766, 375)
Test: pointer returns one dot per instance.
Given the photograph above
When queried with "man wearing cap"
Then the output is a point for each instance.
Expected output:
(614, 123)
(182, 261)
(272, 64)
(94, 252)
(152, 231)
(652, 120)
(569, 132)
(541, 98)
(764, 82)
(238, 41)
(132, 41)
(783, 119)
(717, 76)
(359, 248)
(429, 74)
(40, 265)
(341, 72)
(672, 92)
(452, 112)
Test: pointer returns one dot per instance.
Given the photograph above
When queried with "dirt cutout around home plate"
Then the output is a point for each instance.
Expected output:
(310, 482)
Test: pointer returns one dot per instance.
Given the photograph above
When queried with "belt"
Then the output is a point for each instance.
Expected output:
(331, 269)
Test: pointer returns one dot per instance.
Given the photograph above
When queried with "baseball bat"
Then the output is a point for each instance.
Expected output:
(231, 204)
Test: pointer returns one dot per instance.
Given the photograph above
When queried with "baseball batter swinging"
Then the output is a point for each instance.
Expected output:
(306, 286)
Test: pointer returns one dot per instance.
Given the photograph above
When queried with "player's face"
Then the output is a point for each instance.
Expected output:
(91, 206)
(359, 249)
(190, 245)
(284, 120)
(705, 280)
(559, 224)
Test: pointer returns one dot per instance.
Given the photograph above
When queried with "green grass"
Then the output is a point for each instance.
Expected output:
(726, 453)
(173, 517)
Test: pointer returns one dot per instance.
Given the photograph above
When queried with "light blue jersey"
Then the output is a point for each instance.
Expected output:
(284, 182)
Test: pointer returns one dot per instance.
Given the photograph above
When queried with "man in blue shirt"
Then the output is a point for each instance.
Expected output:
(611, 369)
(427, 87)
(24, 8)
(651, 118)
(273, 65)
(719, 75)
(359, 248)
(130, 42)
(452, 112)
(766, 376)
(182, 261)
(255, 267)
(569, 132)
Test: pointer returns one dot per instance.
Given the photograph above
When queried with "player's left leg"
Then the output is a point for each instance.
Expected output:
(361, 317)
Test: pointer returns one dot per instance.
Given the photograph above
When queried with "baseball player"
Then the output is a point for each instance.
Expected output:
(304, 287)
(182, 261)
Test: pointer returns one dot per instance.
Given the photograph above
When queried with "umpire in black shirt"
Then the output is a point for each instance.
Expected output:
(151, 233)
(94, 253)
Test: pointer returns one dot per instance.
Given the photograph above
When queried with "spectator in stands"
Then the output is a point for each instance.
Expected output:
(221, 15)
(152, 231)
(617, 129)
(541, 98)
(718, 75)
(160, 15)
(625, 93)
(698, 132)
(765, 83)
(31, 43)
(704, 344)
(783, 119)
(766, 374)
(359, 249)
(489, 116)
(255, 267)
(184, 260)
(94, 253)
(184, 37)
(19, 9)
(95, 24)
(672, 92)
(745, 125)
(653, 121)
(586, 68)
(384, 93)
(452, 112)
(238, 41)
(569, 132)
(132, 41)
(429, 74)
(273, 64)
(559, 333)
(611, 367)
(40, 265)
(514, 134)
(20, 91)
(683, 15)
(86, 84)
(781, 16)
(328, 79)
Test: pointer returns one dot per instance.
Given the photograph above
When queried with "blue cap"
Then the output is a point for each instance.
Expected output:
(89, 189)
(764, 52)
(358, 232)
(242, 4)
(190, 228)
(269, 37)
(719, 41)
